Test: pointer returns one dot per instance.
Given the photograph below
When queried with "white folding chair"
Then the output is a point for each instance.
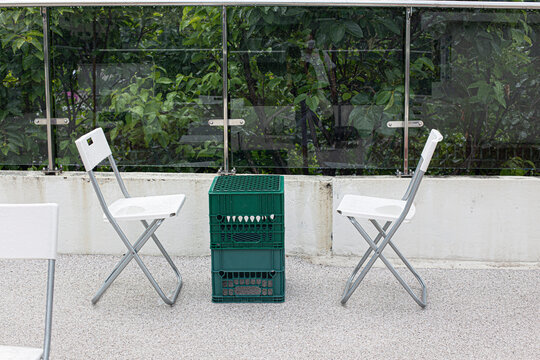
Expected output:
(388, 210)
(29, 231)
(93, 148)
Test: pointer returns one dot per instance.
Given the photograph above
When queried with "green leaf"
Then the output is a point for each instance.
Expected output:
(164, 80)
(364, 118)
(17, 44)
(484, 92)
(7, 39)
(312, 102)
(354, 29)
(361, 99)
(34, 33)
(300, 98)
(427, 62)
(64, 144)
(144, 95)
(114, 133)
(383, 97)
(499, 93)
(163, 139)
(391, 25)
(337, 31)
(37, 44)
(139, 110)
(390, 103)
(346, 96)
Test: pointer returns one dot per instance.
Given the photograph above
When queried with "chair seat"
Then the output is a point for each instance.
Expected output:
(19, 353)
(367, 207)
(146, 207)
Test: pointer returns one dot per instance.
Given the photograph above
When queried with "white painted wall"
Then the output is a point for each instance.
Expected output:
(458, 218)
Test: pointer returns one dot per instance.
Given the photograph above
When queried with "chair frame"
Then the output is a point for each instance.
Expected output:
(133, 249)
(386, 236)
(49, 308)
(351, 286)
(136, 247)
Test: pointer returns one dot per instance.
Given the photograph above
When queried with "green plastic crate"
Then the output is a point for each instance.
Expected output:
(248, 259)
(246, 231)
(247, 212)
(252, 287)
(248, 275)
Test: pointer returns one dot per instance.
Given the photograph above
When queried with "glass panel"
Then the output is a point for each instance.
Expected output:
(475, 75)
(150, 76)
(316, 87)
(22, 94)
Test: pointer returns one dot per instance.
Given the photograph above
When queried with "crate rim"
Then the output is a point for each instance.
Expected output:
(280, 190)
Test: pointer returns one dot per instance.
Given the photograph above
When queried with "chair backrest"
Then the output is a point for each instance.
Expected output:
(431, 143)
(28, 231)
(423, 164)
(93, 148)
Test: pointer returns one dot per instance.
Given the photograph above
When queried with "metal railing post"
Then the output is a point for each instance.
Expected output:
(406, 106)
(225, 93)
(46, 62)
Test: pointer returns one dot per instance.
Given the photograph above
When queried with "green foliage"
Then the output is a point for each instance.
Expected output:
(315, 81)
(316, 87)
(21, 93)
(518, 167)
(484, 76)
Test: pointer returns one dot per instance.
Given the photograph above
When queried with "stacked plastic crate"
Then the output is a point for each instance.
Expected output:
(247, 235)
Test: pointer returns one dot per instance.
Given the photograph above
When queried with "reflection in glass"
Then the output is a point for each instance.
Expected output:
(150, 76)
(22, 92)
(475, 75)
(316, 87)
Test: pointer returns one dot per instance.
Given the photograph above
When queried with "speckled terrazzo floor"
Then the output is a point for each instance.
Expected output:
(471, 314)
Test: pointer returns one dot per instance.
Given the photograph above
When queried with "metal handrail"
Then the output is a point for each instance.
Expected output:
(338, 3)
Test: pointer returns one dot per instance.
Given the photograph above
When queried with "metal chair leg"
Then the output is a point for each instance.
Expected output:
(349, 290)
(120, 266)
(422, 302)
(133, 254)
(361, 262)
(176, 291)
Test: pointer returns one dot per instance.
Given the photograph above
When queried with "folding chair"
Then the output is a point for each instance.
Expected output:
(93, 148)
(29, 231)
(388, 210)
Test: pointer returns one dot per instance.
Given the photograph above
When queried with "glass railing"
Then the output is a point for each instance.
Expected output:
(150, 76)
(321, 89)
(316, 87)
(475, 76)
(22, 97)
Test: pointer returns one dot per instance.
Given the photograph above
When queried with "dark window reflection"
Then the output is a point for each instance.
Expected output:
(316, 87)
(475, 75)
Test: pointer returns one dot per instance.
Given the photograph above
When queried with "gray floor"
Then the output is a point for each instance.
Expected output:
(471, 314)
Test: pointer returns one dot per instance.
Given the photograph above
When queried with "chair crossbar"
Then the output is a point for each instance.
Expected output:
(374, 246)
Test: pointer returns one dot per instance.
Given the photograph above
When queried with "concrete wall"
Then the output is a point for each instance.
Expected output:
(458, 218)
